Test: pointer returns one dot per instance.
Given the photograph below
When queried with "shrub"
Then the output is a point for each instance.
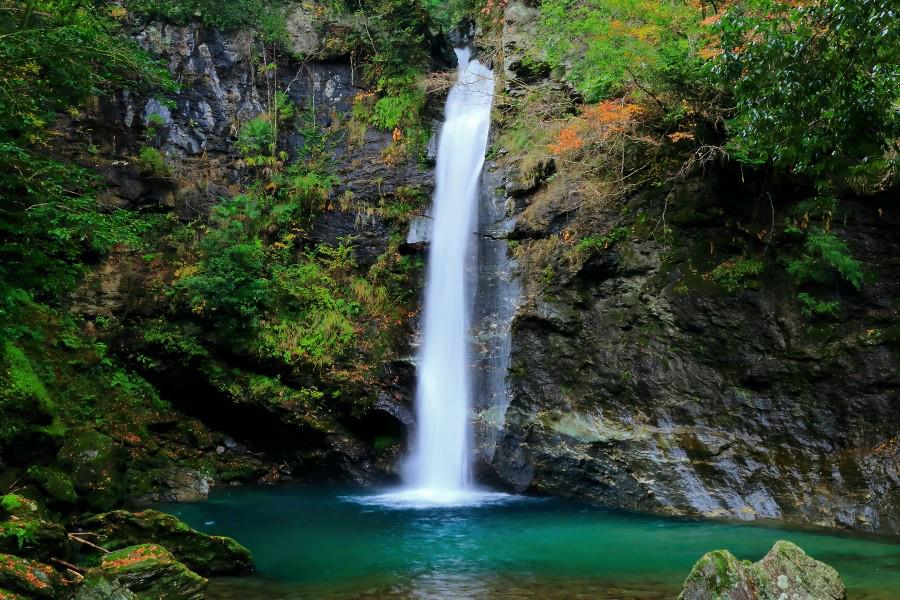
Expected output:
(606, 45)
(816, 85)
(737, 273)
(153, 163)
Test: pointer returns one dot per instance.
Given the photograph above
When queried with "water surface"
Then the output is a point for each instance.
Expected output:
(334, 544)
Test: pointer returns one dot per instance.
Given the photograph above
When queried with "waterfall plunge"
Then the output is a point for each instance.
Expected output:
(438, 471)
(441, 455)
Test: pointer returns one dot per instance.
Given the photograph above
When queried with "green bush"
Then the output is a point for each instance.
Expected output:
(227, 15)
(816, 86)
(603, 46)
(153, 163)
(257, 136)
(737, 273)
(824, 257)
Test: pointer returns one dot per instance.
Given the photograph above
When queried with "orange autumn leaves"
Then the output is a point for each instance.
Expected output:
(597, 123)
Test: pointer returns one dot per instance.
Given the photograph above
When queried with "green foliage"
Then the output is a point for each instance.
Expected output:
(56, 54)
(602, 242)
(824, 257)
(448, 13)
(227, 15)
(737, 273)
(230, 281)
(810, 306)
(606, 45)
(257, 136)
(816, 86)
(152, 163)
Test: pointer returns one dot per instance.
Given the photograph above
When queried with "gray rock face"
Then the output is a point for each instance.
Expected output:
(785, 573)
(630, 394)
(179, 485)
(631, 388)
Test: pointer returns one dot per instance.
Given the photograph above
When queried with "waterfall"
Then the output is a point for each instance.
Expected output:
(439, 467)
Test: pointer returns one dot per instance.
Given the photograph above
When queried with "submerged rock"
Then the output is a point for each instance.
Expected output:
(786, 572)
(151, 572)
(205, 554)
(29, 578)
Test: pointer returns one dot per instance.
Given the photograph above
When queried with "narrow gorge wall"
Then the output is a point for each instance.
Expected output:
(636, 383)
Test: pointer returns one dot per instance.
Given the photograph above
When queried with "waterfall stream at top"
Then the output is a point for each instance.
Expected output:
(438, 471)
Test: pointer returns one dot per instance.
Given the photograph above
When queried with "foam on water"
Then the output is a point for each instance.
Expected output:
(419, 499)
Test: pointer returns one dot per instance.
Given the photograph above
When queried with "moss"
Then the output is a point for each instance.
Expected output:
(56, 484)
(95, 462)
(24, 400)
(716, 576)
(7, 595)
(150, 571)
(30, 578)
(205, 554)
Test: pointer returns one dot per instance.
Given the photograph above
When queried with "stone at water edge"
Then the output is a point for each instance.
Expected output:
(205, 554)
(95, 462)
(29, 578)
(788, 570)
(785, 573)
(150, 572)
(718, 575)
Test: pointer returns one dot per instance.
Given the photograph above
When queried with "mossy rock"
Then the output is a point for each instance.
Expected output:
(7, 595)
(20, 507)
(54, 483)
(718, 575)
(29, 578)
(785, 572)
(96, 587)
(27, 531)
(205, 554)
(26, 405)
(95, 461)
(150, 572)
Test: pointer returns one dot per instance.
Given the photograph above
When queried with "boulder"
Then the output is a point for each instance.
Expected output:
(27, 531)
(718, 575)
(95, 462)
(29, 578)
(177, 484)
(205, 554)
(786, 572)
(150, 572)
(97, 587)
(54, 483)
(789, 572)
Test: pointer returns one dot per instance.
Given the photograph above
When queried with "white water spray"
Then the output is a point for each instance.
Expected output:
(438, 471)
(441, 454)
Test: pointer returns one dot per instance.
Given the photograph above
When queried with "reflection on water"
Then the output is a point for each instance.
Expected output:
(327, 544)
(444, 587)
